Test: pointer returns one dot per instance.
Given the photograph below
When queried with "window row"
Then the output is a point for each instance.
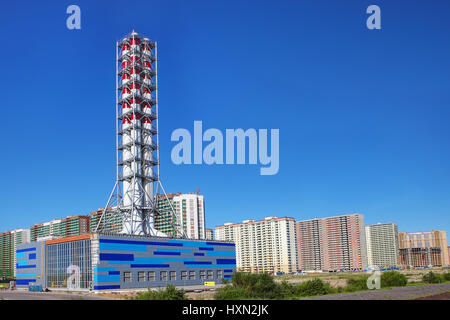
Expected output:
(143, 276)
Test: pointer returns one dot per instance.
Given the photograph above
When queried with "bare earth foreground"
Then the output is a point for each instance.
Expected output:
(428, 292)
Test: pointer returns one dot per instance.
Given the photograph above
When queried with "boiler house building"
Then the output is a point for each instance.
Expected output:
(114, 261)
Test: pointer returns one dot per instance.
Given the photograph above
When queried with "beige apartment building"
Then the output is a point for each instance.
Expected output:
(267, 245)
(427, 239)
(332, 244)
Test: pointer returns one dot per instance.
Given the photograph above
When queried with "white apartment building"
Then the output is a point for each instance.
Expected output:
(190, 211)
(267, 245)
(382, 245)
(209, 234)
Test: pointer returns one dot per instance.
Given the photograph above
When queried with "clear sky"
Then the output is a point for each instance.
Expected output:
(363, 114)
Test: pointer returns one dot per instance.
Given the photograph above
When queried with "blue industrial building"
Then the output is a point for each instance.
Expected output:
(101, 261)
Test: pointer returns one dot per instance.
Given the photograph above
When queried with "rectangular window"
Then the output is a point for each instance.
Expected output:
(141, 276)
(210, 274)
(163, 275)
(127, 276)
(191, 275)
(173, 275)
(184, 275)
(202, 275)
(219, 274)
(151, 276)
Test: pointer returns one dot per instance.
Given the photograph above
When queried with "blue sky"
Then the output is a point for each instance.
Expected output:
(363, 115)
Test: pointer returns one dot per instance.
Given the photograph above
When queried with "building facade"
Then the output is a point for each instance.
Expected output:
(166, 221)
(8, 243)
(421, 257)
(112, 261)
(382, 245)
(190, 215)
(428, 239)
(66, 227)
(332, 244)
(209, 234)
(112, 221)
(262, 245)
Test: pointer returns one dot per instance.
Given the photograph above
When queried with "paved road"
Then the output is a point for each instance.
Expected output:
(25, 295)
(443, 296)
(401, 293)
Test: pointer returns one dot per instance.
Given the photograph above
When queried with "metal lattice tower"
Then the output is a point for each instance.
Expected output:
(135, 191)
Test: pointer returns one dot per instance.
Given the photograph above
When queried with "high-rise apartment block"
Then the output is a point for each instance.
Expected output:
(264, 245)
(429, 239)
(8, 242)
(112, 221)
(209, 234)
(190, 215)
(166, 221)
(421, 257)
(332, 244)
(66, 227)
(382, 245)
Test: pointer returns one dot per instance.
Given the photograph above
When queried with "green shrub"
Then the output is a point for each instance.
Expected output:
(312, 288)
(225, 281)
(230, 293)
(393, 279)
(253, 286)
(431, 277)
(169, 293)
(263, 286)
(356, 284)
(287, 289)
(256, 285)
(446, 276)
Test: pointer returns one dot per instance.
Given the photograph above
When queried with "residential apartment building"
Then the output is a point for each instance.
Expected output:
(8, 242)
(382, 245)
(421, 257)
(267, 245)
(189, 217)
(209, 234)
(166, 221)
(110, 222)
(427, 239)
(332, 244)
(66, 227)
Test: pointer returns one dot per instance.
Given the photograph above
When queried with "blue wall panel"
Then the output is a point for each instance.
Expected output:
(29, 269)
(161, 259)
